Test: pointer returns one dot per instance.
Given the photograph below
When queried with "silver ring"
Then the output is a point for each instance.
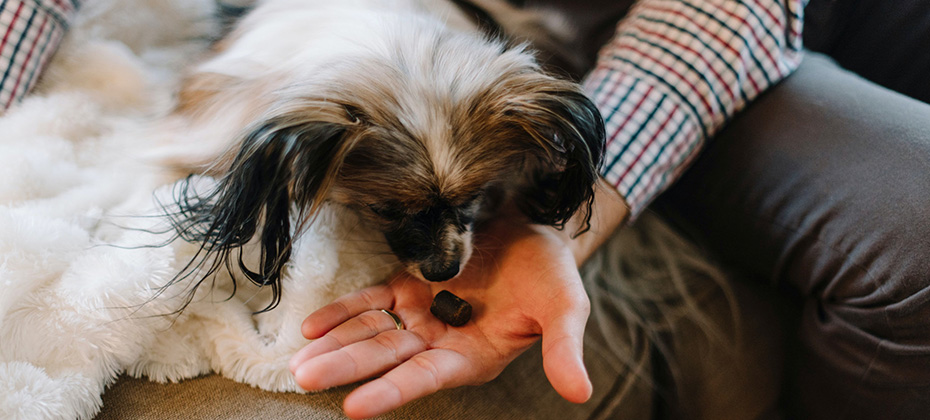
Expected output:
(399, 323)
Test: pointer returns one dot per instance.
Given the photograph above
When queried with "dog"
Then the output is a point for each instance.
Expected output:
(403, 111)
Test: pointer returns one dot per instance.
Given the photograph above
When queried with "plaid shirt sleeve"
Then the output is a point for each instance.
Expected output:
(675, 72)
(29, 33)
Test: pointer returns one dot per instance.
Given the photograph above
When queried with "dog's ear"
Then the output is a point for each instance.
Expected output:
(278, 164)
(567, 133)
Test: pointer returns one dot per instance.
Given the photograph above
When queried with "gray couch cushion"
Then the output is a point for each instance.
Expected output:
(823, 188)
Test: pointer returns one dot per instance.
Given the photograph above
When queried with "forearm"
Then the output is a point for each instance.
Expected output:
(675, 73)
(667, 82)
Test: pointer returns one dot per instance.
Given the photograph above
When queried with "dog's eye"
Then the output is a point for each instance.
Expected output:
(473, 199)
(389, 213)
(354, 114)
(468, 212)
(466, 217)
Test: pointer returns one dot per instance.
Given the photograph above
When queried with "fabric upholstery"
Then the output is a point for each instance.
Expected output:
(883, 41)
(594, 20)
(650, 352)
(821, 189)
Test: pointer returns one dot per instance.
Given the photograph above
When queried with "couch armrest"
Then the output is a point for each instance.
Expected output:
(823, 186)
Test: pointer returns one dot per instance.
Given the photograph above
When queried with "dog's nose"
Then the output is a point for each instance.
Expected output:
(440, 273)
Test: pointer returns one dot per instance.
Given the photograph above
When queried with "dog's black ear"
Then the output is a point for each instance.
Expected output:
(276, 166)
(568, 137)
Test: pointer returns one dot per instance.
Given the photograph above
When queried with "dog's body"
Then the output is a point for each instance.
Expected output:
(401, 110)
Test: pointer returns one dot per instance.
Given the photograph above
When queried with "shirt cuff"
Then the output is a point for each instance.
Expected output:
(30, 31)
(651, 136)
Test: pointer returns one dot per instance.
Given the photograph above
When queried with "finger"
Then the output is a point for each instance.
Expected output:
(340, 310)
(423, 374)
(362, 327)
(359, 361)
(562, 347)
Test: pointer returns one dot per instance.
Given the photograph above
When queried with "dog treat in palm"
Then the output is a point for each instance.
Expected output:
(450, 309)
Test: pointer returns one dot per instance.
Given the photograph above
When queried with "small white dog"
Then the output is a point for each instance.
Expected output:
(401, 110)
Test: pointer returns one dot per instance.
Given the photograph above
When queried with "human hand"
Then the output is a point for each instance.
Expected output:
(523, 283)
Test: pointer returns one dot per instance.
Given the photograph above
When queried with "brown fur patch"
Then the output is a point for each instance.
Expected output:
(198, 91)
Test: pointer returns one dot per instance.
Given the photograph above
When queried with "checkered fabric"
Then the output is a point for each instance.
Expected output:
(29, 33)
(675, 72)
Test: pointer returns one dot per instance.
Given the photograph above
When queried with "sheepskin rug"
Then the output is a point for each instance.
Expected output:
(84, 254)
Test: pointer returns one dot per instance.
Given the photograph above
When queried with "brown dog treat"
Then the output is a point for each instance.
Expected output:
(450, 309)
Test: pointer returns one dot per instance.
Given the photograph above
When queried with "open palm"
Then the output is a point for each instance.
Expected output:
(523, 284)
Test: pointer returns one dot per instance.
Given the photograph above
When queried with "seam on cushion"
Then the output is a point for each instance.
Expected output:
(795, 230)
(881, 341)
(894, 335)
(818, 240)
(865, 373)
(856, 264)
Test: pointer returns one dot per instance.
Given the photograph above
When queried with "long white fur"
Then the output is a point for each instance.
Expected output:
(79, 302)
(304, 40)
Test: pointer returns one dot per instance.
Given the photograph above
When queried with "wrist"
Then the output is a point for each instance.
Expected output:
(608, 212)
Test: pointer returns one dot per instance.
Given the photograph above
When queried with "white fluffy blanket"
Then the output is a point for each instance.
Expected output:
(81, 297)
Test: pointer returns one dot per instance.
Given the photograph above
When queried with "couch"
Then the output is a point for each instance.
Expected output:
(811, 200)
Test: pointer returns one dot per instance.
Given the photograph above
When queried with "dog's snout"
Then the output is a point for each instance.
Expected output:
(433, 243)
(440, 272)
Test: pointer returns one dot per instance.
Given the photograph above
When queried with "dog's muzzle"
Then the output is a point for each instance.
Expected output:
(437, 272)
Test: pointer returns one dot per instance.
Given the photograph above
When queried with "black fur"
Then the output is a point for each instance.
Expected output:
(574, 129)
(417, 237)
(276, 165)
(228, 14)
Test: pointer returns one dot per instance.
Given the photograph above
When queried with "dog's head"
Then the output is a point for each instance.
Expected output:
(413, 141)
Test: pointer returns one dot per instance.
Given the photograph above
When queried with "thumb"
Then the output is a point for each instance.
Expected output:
(562, 349)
